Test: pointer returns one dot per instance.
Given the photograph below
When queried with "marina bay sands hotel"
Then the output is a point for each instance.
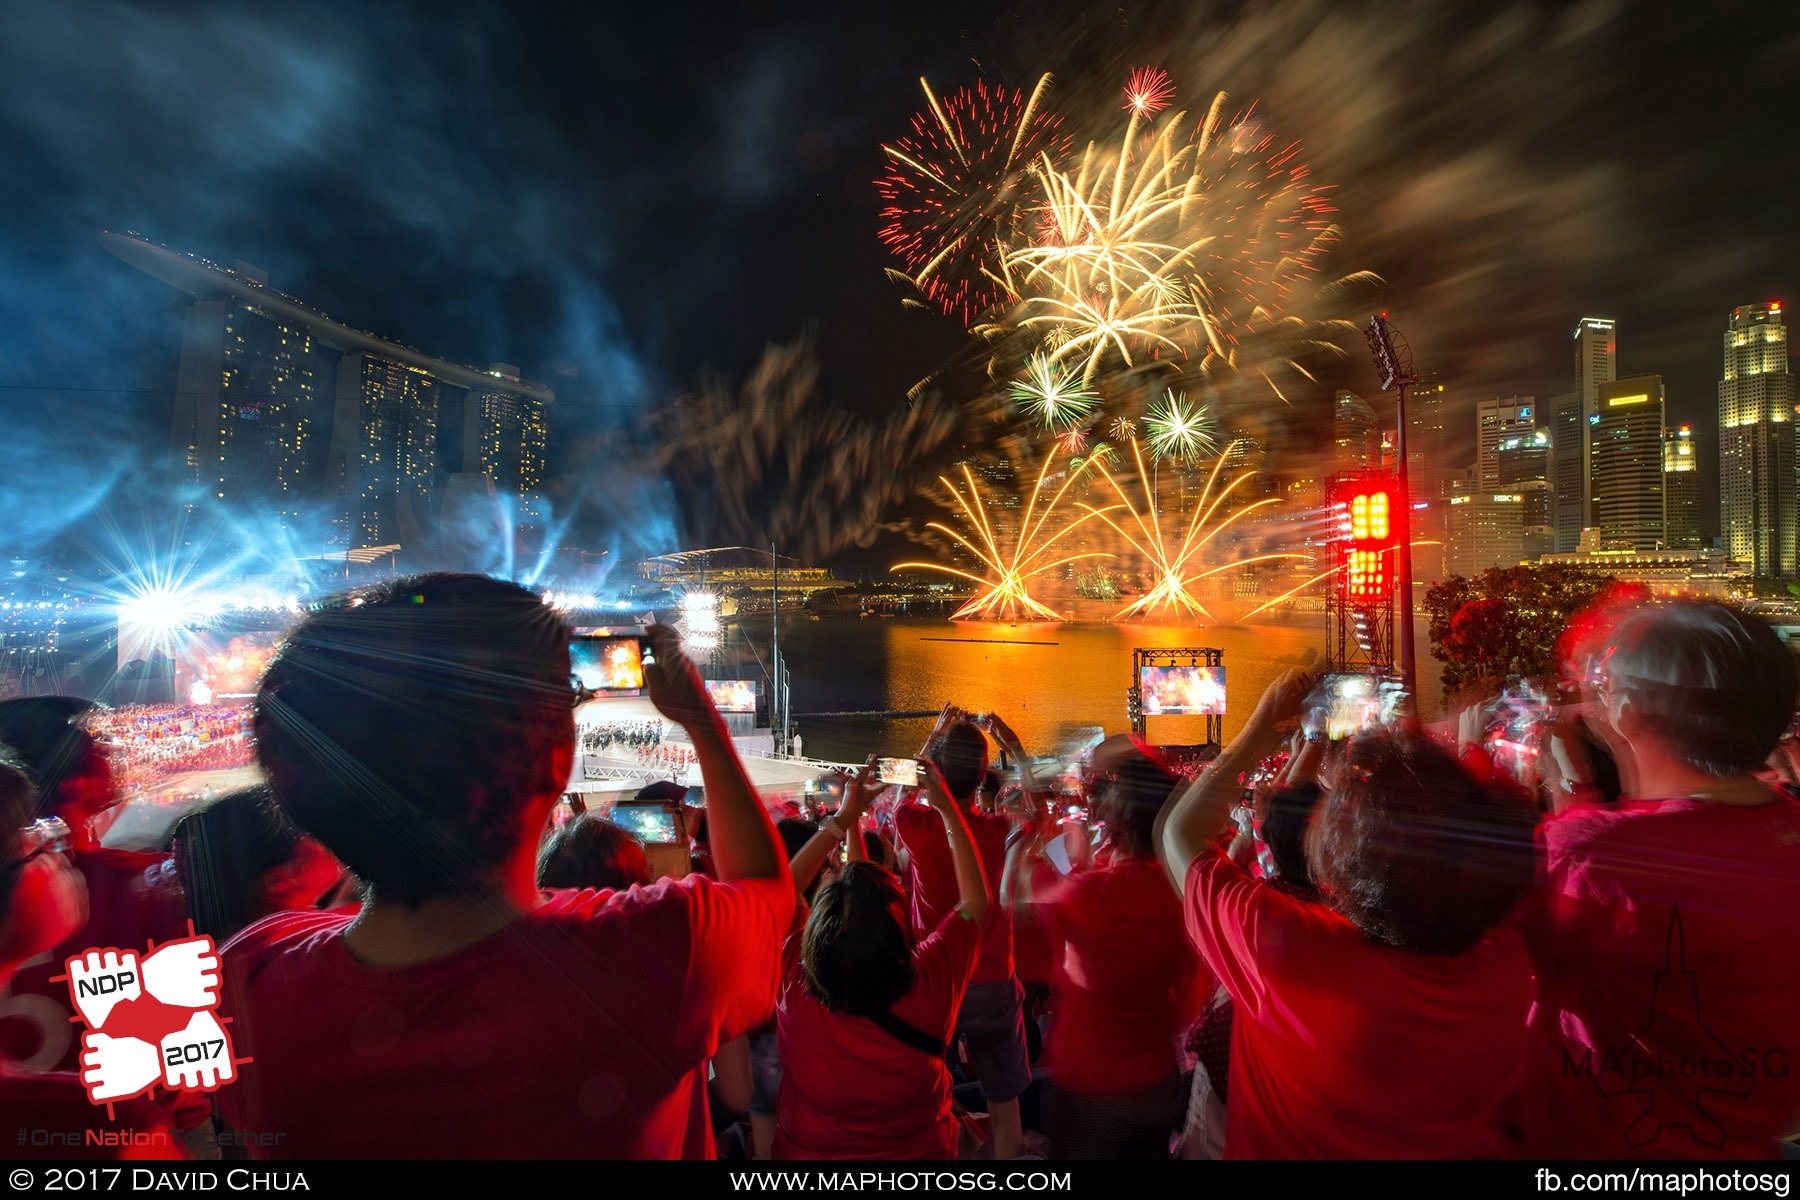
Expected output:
(281, 410)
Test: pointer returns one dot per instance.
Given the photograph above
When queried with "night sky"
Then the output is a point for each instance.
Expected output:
(620, 198)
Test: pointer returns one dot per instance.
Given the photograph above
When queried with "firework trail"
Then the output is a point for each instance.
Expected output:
(1173, 563)
(1005, 594)
(773, 463)
(955, 193)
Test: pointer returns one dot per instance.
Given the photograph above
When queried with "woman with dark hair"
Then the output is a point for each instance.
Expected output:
(1125, 981)
(1388, 1021)
(865, 1012)
(592, 852)
(239, 860)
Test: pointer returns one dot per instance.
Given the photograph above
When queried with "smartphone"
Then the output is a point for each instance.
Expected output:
(1341, 706)
(900, 772)
(651, 824)
(605, 662)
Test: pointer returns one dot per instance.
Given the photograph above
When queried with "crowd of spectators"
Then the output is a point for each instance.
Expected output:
(151, 742)
(1384, 946)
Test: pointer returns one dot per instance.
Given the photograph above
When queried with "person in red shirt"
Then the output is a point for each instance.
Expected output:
(992, 1018)
(1127, 982)
(74, 780)
(1387, 1023)
(43, 899)
(867, 1009)
(422, 732)
(1663, 927)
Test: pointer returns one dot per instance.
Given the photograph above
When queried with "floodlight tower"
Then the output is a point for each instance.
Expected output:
(1394, 366)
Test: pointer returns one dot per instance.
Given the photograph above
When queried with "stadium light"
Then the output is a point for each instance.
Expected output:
(700, 622)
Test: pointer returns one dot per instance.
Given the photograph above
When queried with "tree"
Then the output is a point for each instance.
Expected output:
(1507, 621)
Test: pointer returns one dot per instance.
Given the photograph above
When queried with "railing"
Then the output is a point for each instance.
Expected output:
(821, 763)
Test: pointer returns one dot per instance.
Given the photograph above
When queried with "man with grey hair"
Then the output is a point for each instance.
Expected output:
(1663, 929)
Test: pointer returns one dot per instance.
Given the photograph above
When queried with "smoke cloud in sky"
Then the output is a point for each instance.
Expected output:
(623, 198)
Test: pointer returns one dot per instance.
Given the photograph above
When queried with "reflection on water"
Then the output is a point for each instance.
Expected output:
(1045, 679)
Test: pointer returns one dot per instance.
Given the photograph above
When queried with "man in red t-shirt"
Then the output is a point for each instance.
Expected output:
(1664, 928)
(992, 1018)
(422, 733)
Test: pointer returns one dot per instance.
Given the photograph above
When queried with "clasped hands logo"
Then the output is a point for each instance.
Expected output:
(151, 1020)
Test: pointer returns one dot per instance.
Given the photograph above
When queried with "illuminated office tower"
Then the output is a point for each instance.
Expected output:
(1681, 490)
(1596, 363)
(1524, 470)
(1483, 529)
(383, 445)
(1496, 421)
(1628, 464)
(1568, 427)
(1354, 433)
(1757, 480)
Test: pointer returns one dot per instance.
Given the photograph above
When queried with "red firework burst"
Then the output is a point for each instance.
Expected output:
(953, 191)
(1148, 91)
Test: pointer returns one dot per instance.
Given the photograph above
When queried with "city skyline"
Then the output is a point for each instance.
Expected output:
(620, 225)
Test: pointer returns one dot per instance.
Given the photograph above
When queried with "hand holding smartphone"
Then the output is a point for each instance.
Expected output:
(603, 663)
(900, 772)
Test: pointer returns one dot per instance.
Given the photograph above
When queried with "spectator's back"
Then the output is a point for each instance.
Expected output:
(580, 1031)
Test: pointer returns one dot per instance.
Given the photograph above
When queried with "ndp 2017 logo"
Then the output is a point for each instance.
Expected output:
(151, 1020)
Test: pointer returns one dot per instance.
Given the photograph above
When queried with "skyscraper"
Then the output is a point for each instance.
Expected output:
(1354, 431)
(1681, 490)
(1524, 471)
(1758, 486)
(383, 445)
(246, 421)
(1596, 362)
(1484, 530)
(1496, 421)
(1568, 465)
(1628, 464)
(504, 435)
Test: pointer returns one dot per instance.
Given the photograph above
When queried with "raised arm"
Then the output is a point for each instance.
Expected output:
(1024, 851)
(1195, 816)
(974, 896)
(845, 823)
(1009, 742)
(743, 839)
